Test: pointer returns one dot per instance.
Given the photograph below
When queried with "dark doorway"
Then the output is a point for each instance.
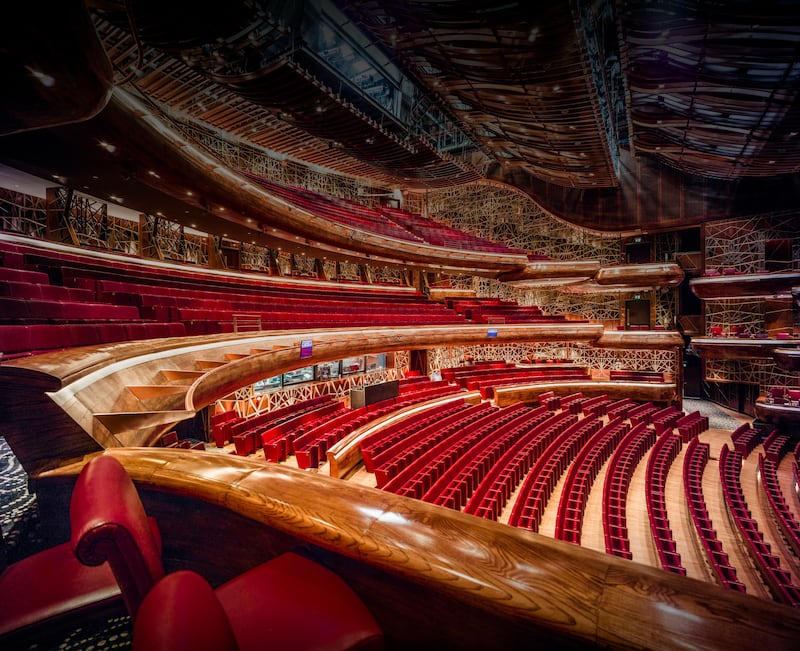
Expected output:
(637, 313)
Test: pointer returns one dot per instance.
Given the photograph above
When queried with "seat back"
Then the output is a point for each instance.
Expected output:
(182, 612)
(109, 523)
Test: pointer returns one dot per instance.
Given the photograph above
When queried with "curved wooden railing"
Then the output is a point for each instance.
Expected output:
(434, 577)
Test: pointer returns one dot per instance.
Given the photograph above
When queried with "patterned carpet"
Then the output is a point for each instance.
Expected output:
(718, 417)
(19, 521)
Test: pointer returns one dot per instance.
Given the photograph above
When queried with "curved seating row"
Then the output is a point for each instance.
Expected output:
(776, 445)
(621, 467)
(620, 408)
(769, 565)
(694, 465)
(401, 431)
(421, 443)
(691, 425)
(661, 457)
(22, 340)
(785, 518)
(493, 492)
(745, 438)
(664, 420)
(635, 376)
(418, 477)
(642, 413)
(455, 473)
(545, 473)
(581, 476)
(242, 431)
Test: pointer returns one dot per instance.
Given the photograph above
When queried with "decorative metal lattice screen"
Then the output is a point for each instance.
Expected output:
(747, 315)
(23, 213)
(511, 217)
(740, 243)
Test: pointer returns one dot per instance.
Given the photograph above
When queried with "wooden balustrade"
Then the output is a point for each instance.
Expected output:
(434, 577)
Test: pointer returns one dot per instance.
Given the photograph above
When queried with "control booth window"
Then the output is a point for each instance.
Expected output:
(328, 370)
(305, 374)
(268, 384)
(352, 365)
(375, 362)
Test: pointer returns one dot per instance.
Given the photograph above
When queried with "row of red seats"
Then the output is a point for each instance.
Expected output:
(623, 462)
(694, 465)
(545, 473)
(393, 460)
(457, 373)
(417, 471)
(745, 438)
(787, 523)
(443, 235)
(581, 476)
(777, 579)
(635, 376)
(30, 311)
(456, 485)
(487, 386)
(776, 445)
(493, 492)
(473, 454)
(554, 402)
(596, 406)
(661, 457)
(665, 419)
(620, 408)
(642, 413)
(43, 291)
(20, 340)
(691, 425)
(334, 208)
(386, 437)
(224, 430)
(310, 444)
(277, 441)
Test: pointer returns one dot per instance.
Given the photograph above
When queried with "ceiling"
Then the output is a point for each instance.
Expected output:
(613, 115)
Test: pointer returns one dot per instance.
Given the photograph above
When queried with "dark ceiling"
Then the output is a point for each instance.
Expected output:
(614, 115)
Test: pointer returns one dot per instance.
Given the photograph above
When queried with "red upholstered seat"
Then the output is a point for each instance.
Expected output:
(109, 524)
(52, 589)
(288, 602)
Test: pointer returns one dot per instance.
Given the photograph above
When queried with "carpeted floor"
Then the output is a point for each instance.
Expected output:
(718, 417)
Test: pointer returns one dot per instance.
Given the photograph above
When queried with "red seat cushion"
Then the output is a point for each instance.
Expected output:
(53, 584)
(292, 603)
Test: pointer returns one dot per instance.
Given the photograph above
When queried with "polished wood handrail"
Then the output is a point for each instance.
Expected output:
(615, 389)
(72, 387)
(543, 588)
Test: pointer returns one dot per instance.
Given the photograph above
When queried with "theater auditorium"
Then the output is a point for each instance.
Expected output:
(346, 324)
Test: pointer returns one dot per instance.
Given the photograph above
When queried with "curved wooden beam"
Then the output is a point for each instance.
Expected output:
(541, 270)
(737, 347)
(639, 339)
(409, 556)
(656, 274)
(765, 285)
(181, 164)
(787, 358)
(72, 387)
(327, 346)
(783, 416)
(642, 391)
